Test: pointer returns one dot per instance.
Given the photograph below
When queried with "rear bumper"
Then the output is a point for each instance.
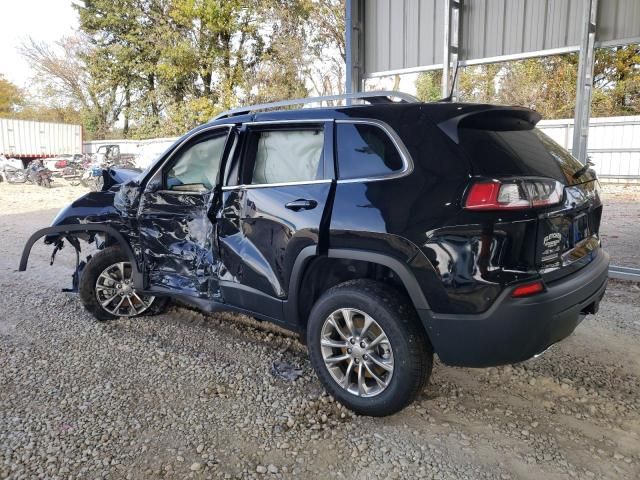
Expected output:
(515, 329)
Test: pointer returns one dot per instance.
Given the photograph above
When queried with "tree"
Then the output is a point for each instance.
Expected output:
(64, 71)
(280, 70)
(325, 46)
(548, 84)
(176, 63)
(11, 98)
(428, 86)
(126, 39)
(616, 80)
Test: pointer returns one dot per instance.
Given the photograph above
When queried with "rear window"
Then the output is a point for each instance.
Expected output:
(285, 156)
(365, 151)
(496, 153)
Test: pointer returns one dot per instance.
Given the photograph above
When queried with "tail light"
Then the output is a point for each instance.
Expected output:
(528, 289)
(514, 194)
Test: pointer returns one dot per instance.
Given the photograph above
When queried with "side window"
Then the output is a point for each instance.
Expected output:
(286, 156)
(196, 168)
(365, 151)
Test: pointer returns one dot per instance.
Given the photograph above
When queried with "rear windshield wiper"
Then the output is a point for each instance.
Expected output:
(583, 170)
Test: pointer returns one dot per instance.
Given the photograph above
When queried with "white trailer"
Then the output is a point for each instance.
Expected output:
(26, 139)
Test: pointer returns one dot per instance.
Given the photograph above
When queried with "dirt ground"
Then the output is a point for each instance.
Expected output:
(185, 395)
(619, 229)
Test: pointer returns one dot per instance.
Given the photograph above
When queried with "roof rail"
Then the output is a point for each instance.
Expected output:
(382, 96)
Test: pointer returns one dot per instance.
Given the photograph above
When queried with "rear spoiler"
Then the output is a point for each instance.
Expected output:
(491, 118)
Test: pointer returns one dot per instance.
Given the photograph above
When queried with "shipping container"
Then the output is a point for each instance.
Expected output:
(31, 139)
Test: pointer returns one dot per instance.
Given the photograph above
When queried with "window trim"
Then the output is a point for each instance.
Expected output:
(407, 161)
(327, 159)
(281, 184)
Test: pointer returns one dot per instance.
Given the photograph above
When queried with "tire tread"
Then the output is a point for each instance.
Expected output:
(403, 312)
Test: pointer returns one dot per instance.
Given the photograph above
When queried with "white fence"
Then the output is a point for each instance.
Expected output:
(614, 144)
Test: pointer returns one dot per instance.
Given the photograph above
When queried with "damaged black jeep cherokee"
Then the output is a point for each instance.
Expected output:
(382, 233)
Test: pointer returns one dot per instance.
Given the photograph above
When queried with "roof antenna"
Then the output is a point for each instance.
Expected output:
(449, 97)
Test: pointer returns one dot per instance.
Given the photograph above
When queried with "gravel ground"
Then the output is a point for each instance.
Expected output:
(619, 229)
(186, 395)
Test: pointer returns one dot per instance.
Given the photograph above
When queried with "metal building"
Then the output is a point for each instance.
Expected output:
(388, 37)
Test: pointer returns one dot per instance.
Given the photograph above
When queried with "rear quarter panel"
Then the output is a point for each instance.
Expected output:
(459, 257)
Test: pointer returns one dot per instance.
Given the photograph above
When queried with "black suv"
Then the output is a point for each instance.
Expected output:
(382, 233)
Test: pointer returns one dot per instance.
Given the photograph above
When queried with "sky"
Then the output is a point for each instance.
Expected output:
(44, 20)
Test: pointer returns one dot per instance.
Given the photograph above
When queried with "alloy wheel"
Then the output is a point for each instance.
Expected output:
(357, 352)
(115, 292)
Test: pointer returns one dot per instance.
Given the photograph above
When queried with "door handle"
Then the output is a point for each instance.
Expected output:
(301, 204)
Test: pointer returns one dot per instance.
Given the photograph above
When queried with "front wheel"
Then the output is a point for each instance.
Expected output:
(368, 348)
(106, 288)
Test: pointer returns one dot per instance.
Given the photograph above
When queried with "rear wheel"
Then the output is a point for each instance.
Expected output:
(106, 288)
(368, 348)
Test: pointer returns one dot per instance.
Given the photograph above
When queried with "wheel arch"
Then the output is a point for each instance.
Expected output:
(295, 315)
(71, 230)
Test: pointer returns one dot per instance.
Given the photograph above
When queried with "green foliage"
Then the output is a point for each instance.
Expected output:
(175, 63)
(11, 97)
(548, 84)
(148, 68)
(14, 103)
(428, 86)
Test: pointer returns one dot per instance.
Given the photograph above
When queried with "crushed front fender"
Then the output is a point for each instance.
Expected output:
(78, 229)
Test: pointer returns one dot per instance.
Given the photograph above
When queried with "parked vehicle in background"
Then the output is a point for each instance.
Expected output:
(11, 174)
(73, 170)
(10, 162)
(28, 139)
(35, 173)
(54, 164)
(91, 177)
(38, 174)
(109, 155)
(58, 163)
(380, 233)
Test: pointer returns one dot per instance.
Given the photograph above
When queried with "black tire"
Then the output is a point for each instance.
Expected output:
(98, 263)
(412, 350)
(46, 182)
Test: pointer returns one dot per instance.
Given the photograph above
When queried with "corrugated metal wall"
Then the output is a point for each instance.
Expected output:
(27, 138)
(614, 143)
(618, 19)
(402, 34)
(408, 34)
(491, 28)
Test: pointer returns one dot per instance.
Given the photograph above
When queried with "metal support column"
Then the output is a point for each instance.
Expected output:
(354, 45)
(451, 52)
(585, 82)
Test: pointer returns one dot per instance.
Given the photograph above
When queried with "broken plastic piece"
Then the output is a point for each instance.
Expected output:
(285, 370)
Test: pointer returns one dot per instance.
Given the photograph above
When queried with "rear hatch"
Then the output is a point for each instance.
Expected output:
(504, 143)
